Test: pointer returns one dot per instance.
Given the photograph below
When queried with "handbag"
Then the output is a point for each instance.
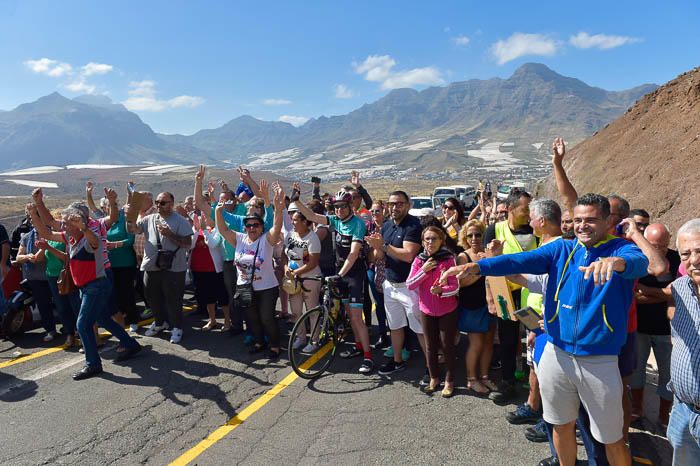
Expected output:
(165, 258)
(65, 282)
(243, 297)
(291, 286)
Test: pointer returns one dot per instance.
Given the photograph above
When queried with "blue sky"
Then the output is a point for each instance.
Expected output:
(186, 65)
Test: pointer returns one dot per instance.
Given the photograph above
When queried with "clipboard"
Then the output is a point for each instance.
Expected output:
(529, 317)
(501, 296)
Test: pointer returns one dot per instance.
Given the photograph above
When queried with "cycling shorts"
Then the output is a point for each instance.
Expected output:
(355, 288)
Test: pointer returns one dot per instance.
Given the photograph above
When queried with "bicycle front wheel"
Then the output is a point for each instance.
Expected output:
(315, 339)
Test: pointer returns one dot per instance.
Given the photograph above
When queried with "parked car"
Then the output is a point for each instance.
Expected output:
(422, 206)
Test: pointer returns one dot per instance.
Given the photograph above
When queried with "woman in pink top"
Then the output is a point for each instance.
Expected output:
(438, 305)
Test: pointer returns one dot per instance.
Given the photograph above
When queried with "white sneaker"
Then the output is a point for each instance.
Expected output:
(176, 335)
(155, 329)
(133, 328)
(298, 343)
(310, 348)
(49, 336)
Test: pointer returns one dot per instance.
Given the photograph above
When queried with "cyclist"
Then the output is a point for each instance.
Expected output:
(351, 267)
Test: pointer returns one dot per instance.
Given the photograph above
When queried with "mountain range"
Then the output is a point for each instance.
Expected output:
(533, 105)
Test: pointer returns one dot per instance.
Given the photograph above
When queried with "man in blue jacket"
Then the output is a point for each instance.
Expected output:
(589, 293)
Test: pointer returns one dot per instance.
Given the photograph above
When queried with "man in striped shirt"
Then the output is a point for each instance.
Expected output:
(684, 425)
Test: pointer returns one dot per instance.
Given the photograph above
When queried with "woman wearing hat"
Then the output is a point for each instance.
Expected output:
(303, 250)
(254, 250)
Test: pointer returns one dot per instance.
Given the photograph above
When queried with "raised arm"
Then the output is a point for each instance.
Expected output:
(311, 215)
(199, 201)
(113, 218)
(657, 261)
(43, 211)
(89, 187)
(40, 226)
(355, 181)
(221, 225)
(566, 189)
(274, 235)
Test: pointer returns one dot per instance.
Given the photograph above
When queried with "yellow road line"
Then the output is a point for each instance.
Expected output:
(56, 349)
(248, 411)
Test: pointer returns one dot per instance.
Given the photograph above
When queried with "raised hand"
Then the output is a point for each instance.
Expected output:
(279, 198)
(375, 240)
(355, 178)
(296, 186)
(38, 196)
(601, 270)
(201, 171)
(111, 195)
(210, 189)
(89, 187)
(558, 148)
(265, 189)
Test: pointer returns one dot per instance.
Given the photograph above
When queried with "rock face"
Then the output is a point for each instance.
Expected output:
(650, 155)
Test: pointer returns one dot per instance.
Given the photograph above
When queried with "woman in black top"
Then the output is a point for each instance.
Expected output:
(475, 318)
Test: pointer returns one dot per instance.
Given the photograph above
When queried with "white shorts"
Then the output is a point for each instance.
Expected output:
(401, 305)
(567, 380)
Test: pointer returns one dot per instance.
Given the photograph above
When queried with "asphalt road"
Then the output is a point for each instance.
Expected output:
(156, 407)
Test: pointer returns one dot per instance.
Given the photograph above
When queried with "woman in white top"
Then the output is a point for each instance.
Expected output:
(303, 250)
(254, 251)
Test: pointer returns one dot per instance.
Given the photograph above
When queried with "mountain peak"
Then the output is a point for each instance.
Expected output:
(535, 69)
(93, 99)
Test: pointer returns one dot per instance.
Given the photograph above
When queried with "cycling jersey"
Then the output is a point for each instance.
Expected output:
(347, 232)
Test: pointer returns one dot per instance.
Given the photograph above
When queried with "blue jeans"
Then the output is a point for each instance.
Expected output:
(684, 434)
(595, 451)
(95, 308)
(68, 306)
(378, 299)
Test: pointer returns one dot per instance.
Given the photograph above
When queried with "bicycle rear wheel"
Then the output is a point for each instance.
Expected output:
(314, 326)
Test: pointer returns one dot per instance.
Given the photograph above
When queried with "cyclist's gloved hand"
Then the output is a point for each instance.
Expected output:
(335, 278)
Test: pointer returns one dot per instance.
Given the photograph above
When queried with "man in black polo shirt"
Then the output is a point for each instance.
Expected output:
(399, 243)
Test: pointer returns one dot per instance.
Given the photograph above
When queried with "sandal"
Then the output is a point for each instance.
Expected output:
(210, 325)
(488, 383)
(432, 386)
(476, 387)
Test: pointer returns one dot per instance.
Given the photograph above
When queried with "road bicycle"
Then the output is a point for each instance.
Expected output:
(325, 326)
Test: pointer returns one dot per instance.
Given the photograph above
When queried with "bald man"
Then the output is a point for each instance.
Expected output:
(653, 327)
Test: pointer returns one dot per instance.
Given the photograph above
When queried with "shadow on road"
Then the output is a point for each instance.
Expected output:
(165, 371)
(14, 389)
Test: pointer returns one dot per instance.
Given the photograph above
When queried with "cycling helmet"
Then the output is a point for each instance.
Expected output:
(342, 196)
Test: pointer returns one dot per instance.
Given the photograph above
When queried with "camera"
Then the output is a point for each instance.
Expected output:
(315, 179)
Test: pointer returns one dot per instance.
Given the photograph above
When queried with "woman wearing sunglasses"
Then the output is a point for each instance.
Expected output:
(452, 217)
(254, 251)
(438, 305)
(474, 316)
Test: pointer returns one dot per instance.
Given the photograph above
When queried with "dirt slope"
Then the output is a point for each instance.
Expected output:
(650, 155)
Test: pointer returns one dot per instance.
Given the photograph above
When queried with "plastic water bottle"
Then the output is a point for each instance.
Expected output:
(293, 265)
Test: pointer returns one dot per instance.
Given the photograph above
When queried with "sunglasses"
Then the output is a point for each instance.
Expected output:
(474, 235)
(397, 204)
(448, 207)
(252, 225)
(340, 206)
(162, 202)
(375, 212)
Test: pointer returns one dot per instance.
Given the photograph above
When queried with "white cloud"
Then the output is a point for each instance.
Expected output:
(142, 97)
(583, 40)
(93, 68)
(294, 120)
(49, 67)
(428, 76)
(81, 86)
(276, 102)
(185, 101)
(378, 68)
(520, 44)
(343, 92)
(461, 40)
(375, 67)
